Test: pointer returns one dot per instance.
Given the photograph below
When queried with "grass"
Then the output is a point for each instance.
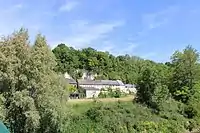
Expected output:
(79, 106)
(76, 101)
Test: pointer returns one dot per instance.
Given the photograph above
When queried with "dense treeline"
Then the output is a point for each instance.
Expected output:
(126, 68)
(33, 94)
(176, 82)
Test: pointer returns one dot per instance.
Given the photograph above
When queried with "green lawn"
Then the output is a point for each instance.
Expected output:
(79, 106)
(77, 101)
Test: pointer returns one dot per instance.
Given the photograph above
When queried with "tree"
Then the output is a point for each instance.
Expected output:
(185, 73)
(50, 88)
(152, 89)
(76, 74)
(107, 66)
(192, 108)
(32, 94)
(67, 58)
(21, 113)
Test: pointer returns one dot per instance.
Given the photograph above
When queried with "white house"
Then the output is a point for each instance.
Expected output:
(93, 87)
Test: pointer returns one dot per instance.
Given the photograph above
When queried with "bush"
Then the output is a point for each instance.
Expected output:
(126, 117)
(110, 93)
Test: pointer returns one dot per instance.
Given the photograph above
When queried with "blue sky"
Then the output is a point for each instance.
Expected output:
(152, 29)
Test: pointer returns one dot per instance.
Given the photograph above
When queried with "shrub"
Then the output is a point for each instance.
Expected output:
(111, 93)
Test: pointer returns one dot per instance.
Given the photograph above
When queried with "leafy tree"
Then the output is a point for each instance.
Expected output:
(192, 108)
(152, 89)
(67, 58)
(50, 90)
(107, 66)
(21, 112)
(32, 94)
(185, 73)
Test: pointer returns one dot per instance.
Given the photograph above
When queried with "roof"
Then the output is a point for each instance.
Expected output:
(90, 88)
(101, 82)
(96, 82)
(71, 81)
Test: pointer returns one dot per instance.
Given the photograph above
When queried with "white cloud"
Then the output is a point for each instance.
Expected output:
(15, 17)
(107, 48)
(68, 6)
(9, 21)
(131, 46)
(128, 48)
(106, 45)
(77, 33)
(85, 32)
(154, 20)
(18, 6)
(148, 55)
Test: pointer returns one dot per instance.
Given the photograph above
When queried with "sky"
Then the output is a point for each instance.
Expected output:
(151, 29)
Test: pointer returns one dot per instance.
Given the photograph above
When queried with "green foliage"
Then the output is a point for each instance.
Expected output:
(157, 83)
(32, 94)
(72, 88)
(123, 117)
(192, 108)
(152, 88)
(185, 73)
(107, 66)
(66, 58)
(110, 93)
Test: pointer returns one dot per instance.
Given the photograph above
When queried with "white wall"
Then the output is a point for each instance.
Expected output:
(67, 76)
(91, 93)
(133, 90)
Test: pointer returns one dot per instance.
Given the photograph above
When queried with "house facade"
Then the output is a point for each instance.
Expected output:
(93, 87)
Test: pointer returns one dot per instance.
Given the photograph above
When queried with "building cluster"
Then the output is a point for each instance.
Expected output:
(93, 87)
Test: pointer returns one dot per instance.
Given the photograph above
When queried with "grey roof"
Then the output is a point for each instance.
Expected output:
(71, 81)
(101, 82)
(90, 88)
(97, 82)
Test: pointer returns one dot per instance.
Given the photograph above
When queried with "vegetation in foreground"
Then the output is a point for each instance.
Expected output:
(124, 117)
(85, 100)
(33, 94)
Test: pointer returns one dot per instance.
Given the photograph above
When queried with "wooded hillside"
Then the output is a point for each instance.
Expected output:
(33, 93)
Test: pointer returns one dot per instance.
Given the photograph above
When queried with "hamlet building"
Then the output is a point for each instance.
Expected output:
(93, 87)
